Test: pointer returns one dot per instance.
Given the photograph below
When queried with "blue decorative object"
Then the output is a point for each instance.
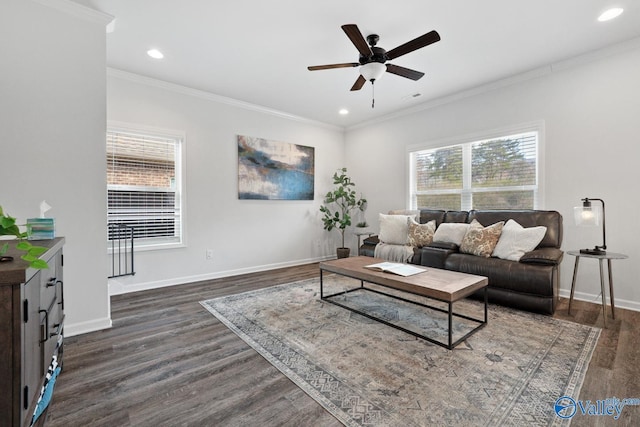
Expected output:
(41, 228)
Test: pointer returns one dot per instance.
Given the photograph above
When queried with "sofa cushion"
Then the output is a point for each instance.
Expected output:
(420, 234)
(516, 240)
(479, 240)
(394, 229)
(457, 216)
(450, 233)
(427, 215)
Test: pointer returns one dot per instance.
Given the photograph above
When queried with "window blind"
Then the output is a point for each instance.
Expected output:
(497, 173)
(142, 190)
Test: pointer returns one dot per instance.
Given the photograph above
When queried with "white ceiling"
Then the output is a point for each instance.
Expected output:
(257, 51)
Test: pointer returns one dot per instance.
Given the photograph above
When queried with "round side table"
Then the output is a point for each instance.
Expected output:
(600, 257)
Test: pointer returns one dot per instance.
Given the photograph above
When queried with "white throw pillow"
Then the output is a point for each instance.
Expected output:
(516, 240)
(451, 232)
(394, 229)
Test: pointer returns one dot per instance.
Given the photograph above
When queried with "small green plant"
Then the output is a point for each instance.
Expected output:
(339, 203)
(8, 227)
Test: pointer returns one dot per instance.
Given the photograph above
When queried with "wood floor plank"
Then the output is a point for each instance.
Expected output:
(167, 362)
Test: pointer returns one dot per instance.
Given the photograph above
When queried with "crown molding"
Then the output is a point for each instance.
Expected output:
(535, 73)
(77, 10)
(161, 84)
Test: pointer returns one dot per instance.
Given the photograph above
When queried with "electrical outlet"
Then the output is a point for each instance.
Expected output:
(209, 254)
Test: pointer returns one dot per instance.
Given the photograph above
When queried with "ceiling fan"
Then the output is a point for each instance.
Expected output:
(372, 58)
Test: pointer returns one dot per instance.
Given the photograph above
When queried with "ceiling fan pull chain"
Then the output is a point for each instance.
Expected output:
(373, 94)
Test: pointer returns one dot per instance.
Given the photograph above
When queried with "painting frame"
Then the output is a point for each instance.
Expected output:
(274, 170)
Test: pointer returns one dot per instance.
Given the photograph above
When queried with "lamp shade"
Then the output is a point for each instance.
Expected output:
(590, 216)
(372, 70)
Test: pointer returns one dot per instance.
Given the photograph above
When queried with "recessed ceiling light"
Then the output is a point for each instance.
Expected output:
(610, 14)
(344, 111)
(155, 53)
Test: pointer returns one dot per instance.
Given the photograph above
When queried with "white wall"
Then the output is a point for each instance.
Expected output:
(52, 127)
(245, 235)
(590, 107)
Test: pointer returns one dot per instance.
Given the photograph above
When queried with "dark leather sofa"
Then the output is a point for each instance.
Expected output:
(529, 284)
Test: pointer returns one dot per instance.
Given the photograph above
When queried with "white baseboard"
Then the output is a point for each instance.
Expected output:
(118, 288)
(597, 299)
(74, 329)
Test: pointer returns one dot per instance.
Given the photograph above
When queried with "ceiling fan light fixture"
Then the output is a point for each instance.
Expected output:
(373, 70)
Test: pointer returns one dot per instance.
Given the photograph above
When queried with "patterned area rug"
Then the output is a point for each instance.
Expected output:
(365, 373)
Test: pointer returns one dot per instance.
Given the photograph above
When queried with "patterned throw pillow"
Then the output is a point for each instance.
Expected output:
(420, 234)
(481, 241)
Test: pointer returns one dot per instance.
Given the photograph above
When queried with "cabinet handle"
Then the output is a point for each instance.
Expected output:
(52, 282)
(58, 328)
(61, 294)
(46, 328)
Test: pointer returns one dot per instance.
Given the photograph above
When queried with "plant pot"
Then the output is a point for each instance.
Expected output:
(343, 252)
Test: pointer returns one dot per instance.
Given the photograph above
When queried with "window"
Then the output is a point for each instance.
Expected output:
(144, 185)
(495, 173)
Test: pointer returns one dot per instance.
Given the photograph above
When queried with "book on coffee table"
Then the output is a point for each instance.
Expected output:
(396, 268)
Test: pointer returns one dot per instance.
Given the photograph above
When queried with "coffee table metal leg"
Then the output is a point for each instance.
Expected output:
(450, 326)
(321, 297)
(486, 304)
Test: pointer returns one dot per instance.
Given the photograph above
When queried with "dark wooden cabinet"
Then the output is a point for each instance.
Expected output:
(31, 330)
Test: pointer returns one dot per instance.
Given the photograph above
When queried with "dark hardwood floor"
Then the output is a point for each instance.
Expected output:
(168, 362)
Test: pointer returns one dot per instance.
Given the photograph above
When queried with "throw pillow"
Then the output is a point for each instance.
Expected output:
(451, 232)
(420, 234)
(479, 240)
(394, 229)
(516, 240)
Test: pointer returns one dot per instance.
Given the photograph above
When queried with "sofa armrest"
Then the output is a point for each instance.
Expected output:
(547, 256)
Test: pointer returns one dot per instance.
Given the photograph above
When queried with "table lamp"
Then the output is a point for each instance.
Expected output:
(586, 215)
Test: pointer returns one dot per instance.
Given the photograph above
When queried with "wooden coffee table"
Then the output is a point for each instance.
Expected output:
(442, 285)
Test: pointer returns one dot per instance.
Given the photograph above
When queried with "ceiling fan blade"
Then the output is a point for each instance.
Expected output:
(404, 72)
(354, 34)
(415, 44)
(330, 66)
(359, 83)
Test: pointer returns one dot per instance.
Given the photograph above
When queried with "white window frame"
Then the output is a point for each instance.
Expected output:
(466, 141)
(180, 137)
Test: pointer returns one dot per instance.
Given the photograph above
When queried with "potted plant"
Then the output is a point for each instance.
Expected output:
(8, 227)
(338, 205)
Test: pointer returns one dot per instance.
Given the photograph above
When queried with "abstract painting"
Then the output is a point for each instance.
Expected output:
(273, 170)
